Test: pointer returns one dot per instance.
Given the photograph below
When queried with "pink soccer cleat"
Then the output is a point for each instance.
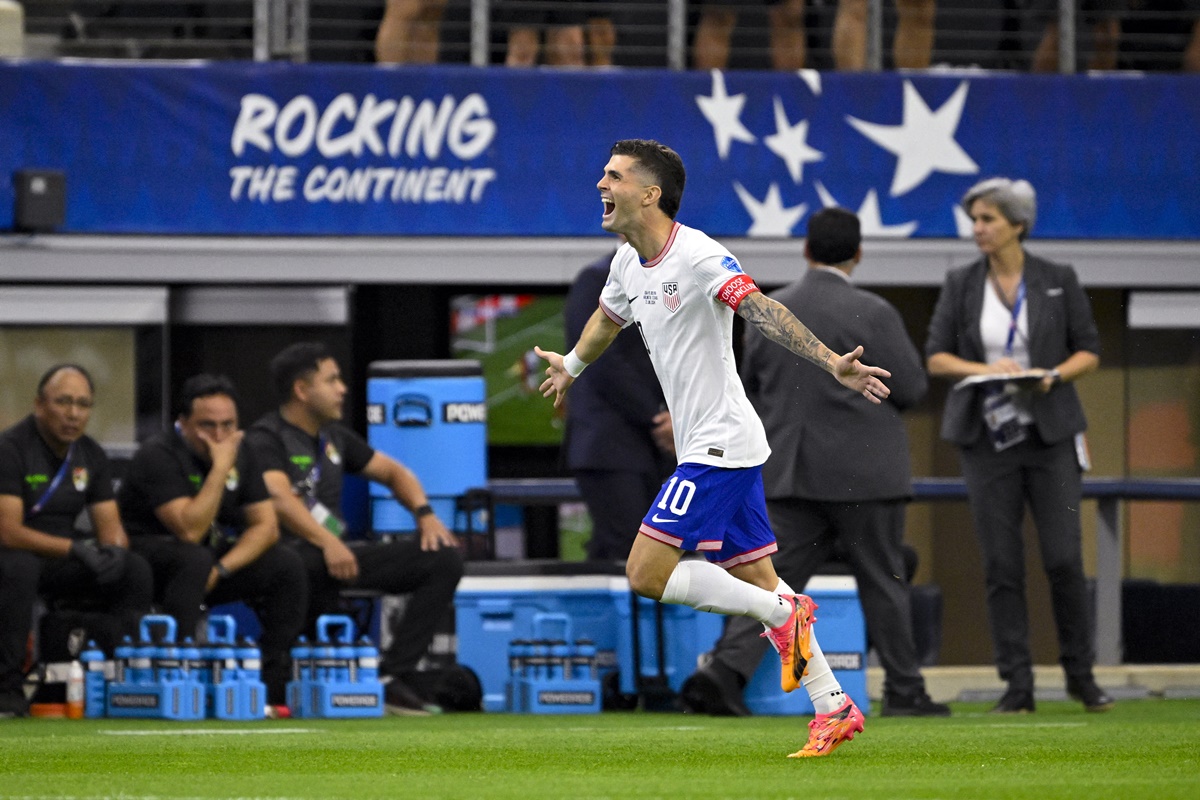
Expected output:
(791, 641)
(827, 731)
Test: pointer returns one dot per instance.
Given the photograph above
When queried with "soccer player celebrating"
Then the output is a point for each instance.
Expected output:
(682, 289)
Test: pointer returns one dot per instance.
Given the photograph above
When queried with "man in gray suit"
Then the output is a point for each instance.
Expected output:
(820, 497)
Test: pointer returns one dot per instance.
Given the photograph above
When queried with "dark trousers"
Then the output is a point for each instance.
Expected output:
(24, 576)
(273, 585)
(616, 502)
(1000, 485)
(870, 535)
(429, 577)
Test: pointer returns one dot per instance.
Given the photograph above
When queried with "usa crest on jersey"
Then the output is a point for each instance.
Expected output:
(79, 476)
(671, 296)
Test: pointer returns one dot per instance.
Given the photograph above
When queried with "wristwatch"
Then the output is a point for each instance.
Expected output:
(222, 571)
(422, 511)
(1055, 377)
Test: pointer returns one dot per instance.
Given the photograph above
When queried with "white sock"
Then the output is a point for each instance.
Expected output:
(823, 689)
(707, 587)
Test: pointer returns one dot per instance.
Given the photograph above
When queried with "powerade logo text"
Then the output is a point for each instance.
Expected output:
(133, 700)
(354, 701)
(398, 144)
(567, 698)
(464, 412)
(851, 661)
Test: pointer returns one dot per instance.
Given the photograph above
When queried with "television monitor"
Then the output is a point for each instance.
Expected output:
(500, 330)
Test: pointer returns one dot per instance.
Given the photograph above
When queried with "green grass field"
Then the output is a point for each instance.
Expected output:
(1142, 749)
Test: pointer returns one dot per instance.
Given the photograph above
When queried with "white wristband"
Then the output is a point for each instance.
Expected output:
(573, 364)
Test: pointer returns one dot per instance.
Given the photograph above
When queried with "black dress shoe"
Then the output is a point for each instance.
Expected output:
(13, 704)
(918, 704)
(1087, 692)
(1015, 701)
(714, 689)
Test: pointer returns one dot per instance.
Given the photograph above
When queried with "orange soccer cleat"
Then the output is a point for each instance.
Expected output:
(791, 641)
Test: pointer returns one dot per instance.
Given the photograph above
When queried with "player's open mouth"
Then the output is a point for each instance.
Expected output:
(609, 207)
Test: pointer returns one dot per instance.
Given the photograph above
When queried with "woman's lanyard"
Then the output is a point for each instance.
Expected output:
(1016, 312)
(58, 478)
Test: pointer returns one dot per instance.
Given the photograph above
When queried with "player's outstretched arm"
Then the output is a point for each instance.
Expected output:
(562, 371)
(780, 325)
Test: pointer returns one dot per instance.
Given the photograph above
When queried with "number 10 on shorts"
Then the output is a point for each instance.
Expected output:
(677, 496)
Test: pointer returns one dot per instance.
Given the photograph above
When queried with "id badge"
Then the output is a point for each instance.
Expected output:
(1003, 423)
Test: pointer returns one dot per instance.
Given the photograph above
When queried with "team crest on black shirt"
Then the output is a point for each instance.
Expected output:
(231, 480)
(671, 296)
(332, 453)
(80, 477)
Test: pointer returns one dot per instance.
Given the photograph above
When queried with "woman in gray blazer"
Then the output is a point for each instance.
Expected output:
(1026, 321)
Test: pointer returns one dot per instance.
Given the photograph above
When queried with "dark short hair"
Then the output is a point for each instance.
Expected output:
(204, 385)
(57, 368)
(663, 165)
(834, 235)
(294, 362)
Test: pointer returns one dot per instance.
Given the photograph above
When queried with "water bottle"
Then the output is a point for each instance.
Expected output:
(249, 661)
(559, 662)
(585, 659)
(123, 656)
(346, 667)
(196, 667)
(302, 660)
(167, 667)
(141, 665)
(224, 664)
(323, 654)
(368, 661)
(75, 691)
(94, 685)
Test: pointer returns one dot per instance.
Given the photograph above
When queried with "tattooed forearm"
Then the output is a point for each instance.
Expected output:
(781, 326)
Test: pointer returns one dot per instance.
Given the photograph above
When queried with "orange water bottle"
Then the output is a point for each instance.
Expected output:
(75, 691)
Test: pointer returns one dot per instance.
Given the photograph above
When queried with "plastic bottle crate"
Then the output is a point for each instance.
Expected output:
(553, 673)
(335, 678)
(156, 683)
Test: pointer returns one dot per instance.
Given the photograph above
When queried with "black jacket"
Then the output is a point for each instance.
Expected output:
(1060, 323)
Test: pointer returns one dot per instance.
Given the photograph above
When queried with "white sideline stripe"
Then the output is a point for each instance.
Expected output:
(206, 732)
(1040, 725)
(123, 796)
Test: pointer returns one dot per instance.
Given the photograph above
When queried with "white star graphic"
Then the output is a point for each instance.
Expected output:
(868, 216)
(770, 217)
(812, 78)
(963, 223)
(924, 142)
(788, 142)
(723, 113)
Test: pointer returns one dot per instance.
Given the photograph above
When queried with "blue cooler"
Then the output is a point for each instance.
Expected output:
(491, 611)
(842, 634)
(686, 632)
(432, 417)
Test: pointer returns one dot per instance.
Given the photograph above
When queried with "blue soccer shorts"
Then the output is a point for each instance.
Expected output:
(717, 511)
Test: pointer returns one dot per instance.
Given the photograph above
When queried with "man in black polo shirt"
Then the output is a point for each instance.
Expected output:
(196, 507)
(50, 471)
(305, 452)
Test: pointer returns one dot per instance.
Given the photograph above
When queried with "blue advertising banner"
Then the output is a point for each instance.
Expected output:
(238, 148)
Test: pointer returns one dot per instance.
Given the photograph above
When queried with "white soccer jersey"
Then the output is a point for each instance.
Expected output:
(683, 301)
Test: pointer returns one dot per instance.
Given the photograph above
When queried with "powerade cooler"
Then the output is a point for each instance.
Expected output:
(432, 417)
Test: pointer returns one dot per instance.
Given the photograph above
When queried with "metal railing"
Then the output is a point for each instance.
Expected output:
(989, 34)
